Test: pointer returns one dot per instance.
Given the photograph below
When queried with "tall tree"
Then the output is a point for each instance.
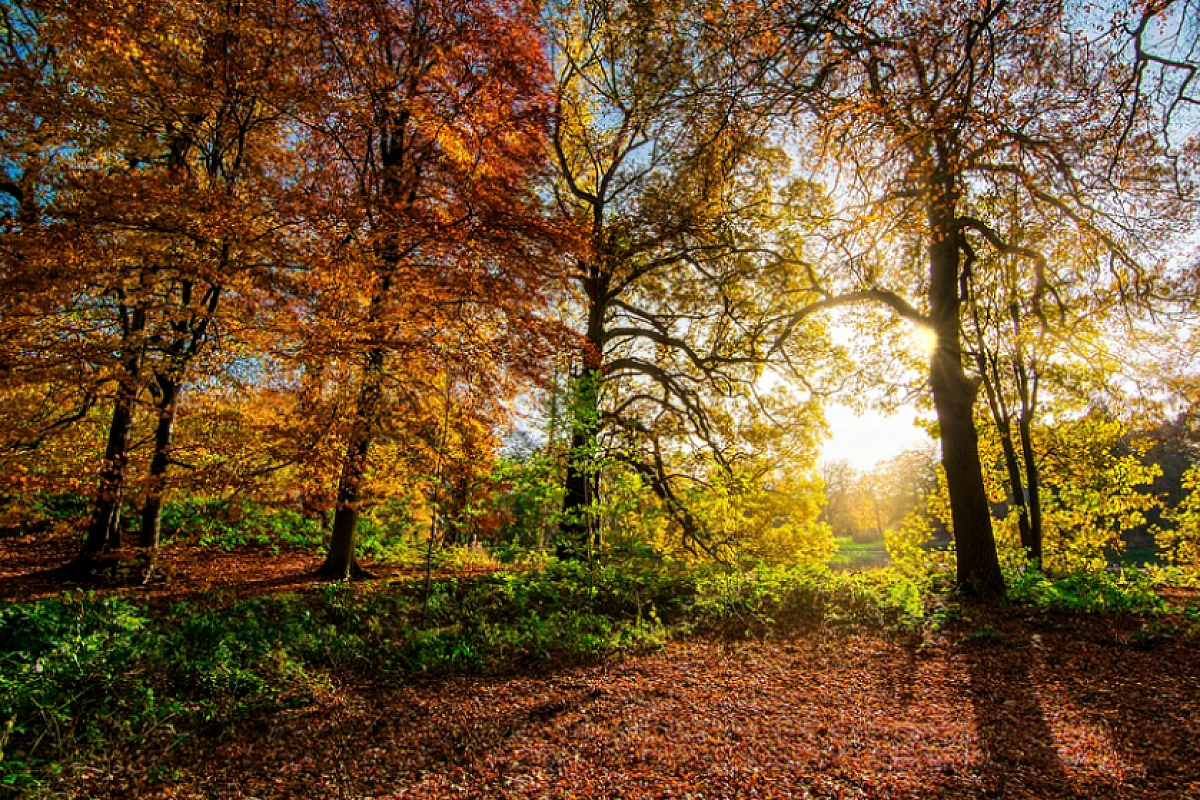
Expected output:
(671, 174)
(425, 132)
(928, 112)
(47, 386)
(58, 339)
(181, 144)
(1036, 359)
(1005, 357)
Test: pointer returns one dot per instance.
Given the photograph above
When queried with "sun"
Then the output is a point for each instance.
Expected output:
(923, 339)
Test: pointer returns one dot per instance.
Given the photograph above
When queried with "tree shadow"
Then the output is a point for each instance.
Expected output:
(423, 736)
(1018, 755)
(1140, 687)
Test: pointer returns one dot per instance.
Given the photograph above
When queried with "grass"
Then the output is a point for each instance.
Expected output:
(855, 555)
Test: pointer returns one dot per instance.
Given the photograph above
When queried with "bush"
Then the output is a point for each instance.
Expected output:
(389, 532)
(71, 677)
(80, 675)
(789, 598)
(227, 524)
(1129, 591)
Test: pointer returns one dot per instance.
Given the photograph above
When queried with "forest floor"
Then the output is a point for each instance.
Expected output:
(1007, 703)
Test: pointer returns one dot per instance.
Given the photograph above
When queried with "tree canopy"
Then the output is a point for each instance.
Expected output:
(331, 255)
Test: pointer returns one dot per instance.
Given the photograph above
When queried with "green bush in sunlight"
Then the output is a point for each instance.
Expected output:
(1127, 591)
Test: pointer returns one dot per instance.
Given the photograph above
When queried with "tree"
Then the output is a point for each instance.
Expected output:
(867, 504)
(176, 185)
(1034, 361)
(60, 338)
(48, 385)
(678, 190)
(929, 112)
(1096, 486)
(839, 479)
(1179, 540)
(424, 129)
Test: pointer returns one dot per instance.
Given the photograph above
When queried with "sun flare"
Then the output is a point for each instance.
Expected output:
(924, 339)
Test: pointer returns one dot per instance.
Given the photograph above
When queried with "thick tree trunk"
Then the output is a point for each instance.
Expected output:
(104, 528)
(341, 562)
(576, 535)
(954, 399)
(978, 563)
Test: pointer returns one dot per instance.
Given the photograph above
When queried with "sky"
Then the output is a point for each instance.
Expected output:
(870, 437)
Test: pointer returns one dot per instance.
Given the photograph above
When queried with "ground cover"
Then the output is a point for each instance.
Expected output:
(967, 702)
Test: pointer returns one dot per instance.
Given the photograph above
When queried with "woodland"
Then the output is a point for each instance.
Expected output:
(427, 398)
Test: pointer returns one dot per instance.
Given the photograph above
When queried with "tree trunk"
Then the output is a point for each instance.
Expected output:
(1017, 489)
(954, 399)
(104, 528)
(341, 562)
(978, 563)
(878, 514)
(577, 536)
(156, 486)
(1002, 417)
(189, 336)
(1033, 484)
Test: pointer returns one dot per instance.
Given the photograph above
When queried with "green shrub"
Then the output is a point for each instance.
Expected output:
(389, 533)
(71, 676)
(230, 523)
(1100, 592)
(79, 675)
(60, 507)
(791, 597)
(985, 634)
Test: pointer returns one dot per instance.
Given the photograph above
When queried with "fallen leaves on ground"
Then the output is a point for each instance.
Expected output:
(1045, 713)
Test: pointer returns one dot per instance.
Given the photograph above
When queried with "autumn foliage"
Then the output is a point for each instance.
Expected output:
(577, 278)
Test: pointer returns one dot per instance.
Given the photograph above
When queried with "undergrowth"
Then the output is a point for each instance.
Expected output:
(82, 676)
(1128, 591)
